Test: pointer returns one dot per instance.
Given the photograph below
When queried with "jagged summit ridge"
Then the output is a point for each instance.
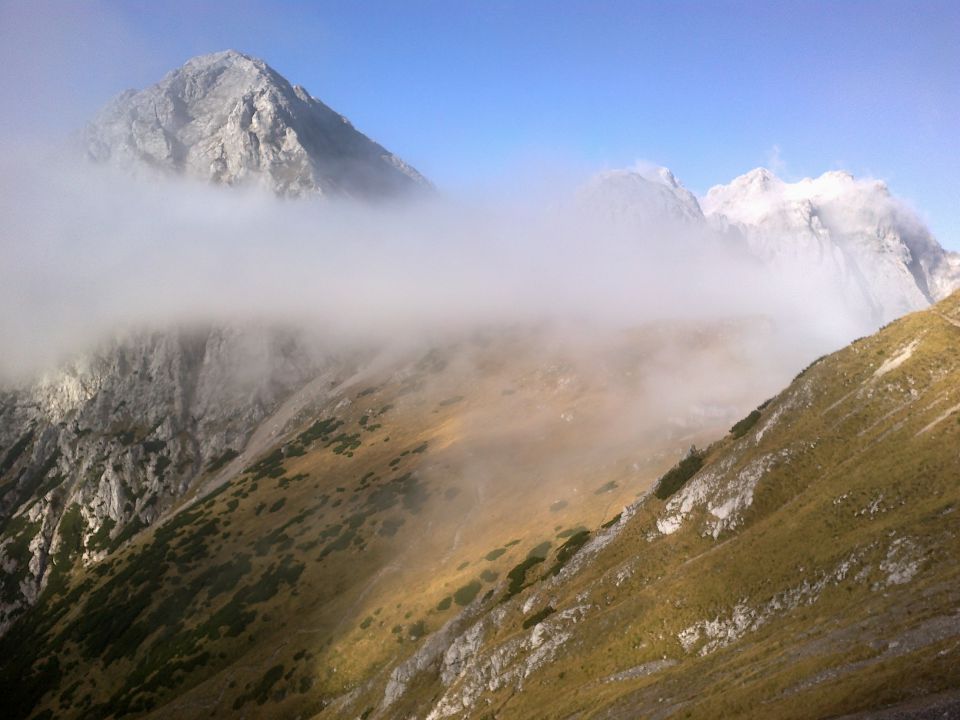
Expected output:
(853, 238)
(229, 118)
(642, 195)
(854, 230)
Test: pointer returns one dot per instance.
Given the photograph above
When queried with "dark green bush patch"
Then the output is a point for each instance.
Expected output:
(489, 575)
(518, 576)
(160, 465)
(569, 549)
(539, 617)
(612, 521)
(153, 446)
(261, 693)
(494, 554)
(71, 545)
(319, 430)
(742, 427)
(344, 443)
(465, 594)
(679, 474)
(417, 630)
(218, 462)
(269, 466)
(541, 551)
(445, 603)
(100, 540)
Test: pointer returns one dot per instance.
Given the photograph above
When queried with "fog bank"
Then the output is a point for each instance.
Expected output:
(87, 250)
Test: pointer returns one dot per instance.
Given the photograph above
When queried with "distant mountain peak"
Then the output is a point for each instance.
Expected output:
(851, 235)
(229, 118)
(642, 194)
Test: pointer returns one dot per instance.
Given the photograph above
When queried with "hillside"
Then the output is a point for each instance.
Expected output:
(376, 562)
(437, 470)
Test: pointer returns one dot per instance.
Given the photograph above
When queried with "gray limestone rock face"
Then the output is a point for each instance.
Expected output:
(229, 118)
(105, 445)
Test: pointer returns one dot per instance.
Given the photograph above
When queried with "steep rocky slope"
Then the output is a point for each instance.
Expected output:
(230, 118)
(802, 567)
(855, 232)
(94, 452)
(429, 470)
(376, 563)
(832, 236)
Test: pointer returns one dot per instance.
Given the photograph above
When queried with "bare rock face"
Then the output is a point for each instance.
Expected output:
(94, 452)
(229, 118)
(853, 233)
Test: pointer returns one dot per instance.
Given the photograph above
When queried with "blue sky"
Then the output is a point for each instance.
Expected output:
(480, 95)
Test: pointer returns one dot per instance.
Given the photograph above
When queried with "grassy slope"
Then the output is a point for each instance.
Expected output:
(323, 566)
(836, 589)
(263, 600)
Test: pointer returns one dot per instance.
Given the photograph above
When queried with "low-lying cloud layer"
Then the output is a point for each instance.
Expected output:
(87, 251)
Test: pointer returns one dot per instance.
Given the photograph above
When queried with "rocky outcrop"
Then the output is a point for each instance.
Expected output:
(94, 452)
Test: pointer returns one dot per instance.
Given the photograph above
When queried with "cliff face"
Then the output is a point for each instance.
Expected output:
(101, 448)
(230, 119)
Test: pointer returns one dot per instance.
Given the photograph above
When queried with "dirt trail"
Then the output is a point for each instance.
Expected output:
(955, 323)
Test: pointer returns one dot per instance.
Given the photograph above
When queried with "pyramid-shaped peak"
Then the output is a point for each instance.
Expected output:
(229, 118)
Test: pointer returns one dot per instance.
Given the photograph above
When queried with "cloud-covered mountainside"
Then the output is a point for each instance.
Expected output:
(850, 237)
(230, 118)
(344, 458)
(459, 533)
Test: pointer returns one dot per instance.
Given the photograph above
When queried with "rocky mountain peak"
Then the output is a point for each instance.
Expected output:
(229, 118)
(642, 196)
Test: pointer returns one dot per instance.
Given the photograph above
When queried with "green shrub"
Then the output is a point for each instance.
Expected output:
(218, 462)
(465, 595)
(417, 630)
(742, 427)
(612, 521)
(518, 576)
(569, 549)
(541, 551)
(679, 474)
